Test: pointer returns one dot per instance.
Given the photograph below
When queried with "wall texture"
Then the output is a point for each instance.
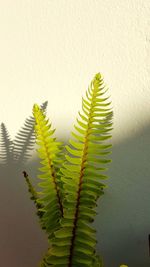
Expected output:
(50, 50)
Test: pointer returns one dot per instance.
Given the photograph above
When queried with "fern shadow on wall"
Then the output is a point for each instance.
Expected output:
(19, 150)
(15, 227)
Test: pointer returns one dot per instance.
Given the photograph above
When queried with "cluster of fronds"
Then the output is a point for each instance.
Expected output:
(71, 185)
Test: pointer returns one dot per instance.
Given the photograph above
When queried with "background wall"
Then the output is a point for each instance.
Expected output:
(50, 50)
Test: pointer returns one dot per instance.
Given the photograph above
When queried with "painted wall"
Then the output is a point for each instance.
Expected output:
(50, 50)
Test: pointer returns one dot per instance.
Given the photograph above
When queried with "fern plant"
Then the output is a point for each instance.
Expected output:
(72, 180)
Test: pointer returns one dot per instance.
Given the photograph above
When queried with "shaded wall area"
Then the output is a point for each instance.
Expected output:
(22, 242)
(123, 220)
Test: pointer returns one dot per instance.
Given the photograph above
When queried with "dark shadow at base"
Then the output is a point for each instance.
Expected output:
(22, 241)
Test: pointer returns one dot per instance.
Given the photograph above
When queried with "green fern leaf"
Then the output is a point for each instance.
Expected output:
(34, 195)
(74, 243)
(48, 150)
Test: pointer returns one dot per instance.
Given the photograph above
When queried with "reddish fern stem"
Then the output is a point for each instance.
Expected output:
(53, 173)
(84, 158)
(77, 210)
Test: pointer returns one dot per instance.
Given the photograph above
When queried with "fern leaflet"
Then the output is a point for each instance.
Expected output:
(34, 195)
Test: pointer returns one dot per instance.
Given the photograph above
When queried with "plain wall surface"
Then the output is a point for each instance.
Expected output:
(50, 50)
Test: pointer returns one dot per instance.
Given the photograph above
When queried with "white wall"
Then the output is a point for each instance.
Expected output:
(50, 50)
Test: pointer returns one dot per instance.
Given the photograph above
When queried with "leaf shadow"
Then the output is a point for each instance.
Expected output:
(6, 154)
(24, 141)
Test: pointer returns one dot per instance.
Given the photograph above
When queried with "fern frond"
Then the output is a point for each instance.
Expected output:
(34, 195)
(48, 150)
(6, 145)
(24, 141)
(74, 243)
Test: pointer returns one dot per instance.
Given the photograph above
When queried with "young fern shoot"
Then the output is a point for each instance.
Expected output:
(73, 245)
(34, 196)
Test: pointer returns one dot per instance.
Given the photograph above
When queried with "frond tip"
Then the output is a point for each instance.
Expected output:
(24, 141)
